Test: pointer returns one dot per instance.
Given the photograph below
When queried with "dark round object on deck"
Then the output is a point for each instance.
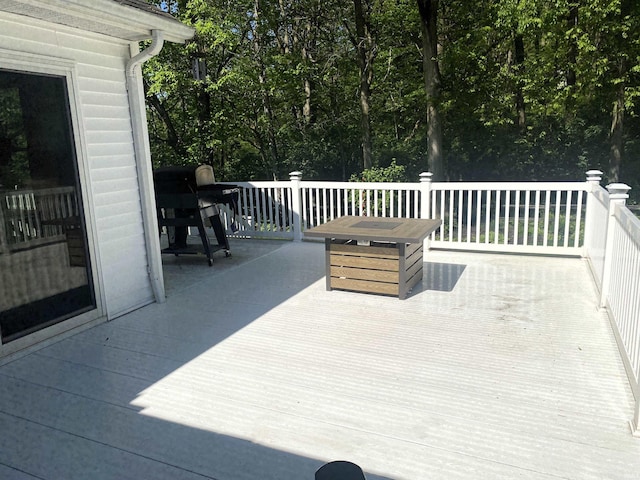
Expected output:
(340, 470)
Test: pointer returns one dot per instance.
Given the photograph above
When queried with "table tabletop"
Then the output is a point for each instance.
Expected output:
(400, 230)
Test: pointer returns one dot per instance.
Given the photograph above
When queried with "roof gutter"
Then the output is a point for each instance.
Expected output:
(143, 159)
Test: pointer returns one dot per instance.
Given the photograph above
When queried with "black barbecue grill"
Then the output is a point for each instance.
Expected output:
(181, 204)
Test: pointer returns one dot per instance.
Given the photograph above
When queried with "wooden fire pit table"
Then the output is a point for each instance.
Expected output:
(374, 255)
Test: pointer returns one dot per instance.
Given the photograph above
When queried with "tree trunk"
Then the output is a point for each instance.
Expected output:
(204, 117)
(266, 97)
(616, 151)
(429, 24)
(616, 139)
(365, 50)
(572, 53)
(173, 139)
(308, 44)
(521, 114)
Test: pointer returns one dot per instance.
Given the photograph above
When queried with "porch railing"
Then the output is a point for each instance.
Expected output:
(526, 217)
(522, 217)
(620, 283)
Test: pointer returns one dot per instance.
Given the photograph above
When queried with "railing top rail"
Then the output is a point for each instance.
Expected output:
(259, 184)
(533, 186)
(360, 185)
(38, 191)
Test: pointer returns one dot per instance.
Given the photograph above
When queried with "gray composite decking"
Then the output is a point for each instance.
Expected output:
(494, 367)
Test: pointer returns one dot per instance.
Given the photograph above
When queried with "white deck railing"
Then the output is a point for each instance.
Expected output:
(620, 287)
(32, 216)
(264, 211)
(526, 217)
(509, 217)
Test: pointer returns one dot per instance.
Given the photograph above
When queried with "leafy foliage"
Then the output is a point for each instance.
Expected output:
(531, 89)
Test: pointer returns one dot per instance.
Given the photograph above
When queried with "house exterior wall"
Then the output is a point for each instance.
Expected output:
(105, 150)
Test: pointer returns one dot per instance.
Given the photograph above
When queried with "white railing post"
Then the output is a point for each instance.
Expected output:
(617, 196)
(296, 205)
(425, 194)
(425, 202)
(593, 181)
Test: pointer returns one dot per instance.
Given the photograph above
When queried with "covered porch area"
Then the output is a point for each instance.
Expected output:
(494, 367)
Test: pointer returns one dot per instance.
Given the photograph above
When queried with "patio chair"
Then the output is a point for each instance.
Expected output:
(340, 470)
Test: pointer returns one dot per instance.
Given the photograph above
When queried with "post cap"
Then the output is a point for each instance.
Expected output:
(426, 176)
(295, 175)
(594, 176)
(618, 190)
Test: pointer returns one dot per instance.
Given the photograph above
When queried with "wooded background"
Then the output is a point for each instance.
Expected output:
(484, 90)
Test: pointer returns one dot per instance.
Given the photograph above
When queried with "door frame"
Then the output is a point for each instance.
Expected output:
(48, 65)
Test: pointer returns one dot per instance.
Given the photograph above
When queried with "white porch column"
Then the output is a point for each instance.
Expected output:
(617, 196)
(296, 204)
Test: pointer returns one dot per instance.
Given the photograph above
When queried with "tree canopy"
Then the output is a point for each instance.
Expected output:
(487, 90)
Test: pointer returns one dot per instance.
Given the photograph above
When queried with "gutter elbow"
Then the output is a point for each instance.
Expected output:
(157, 42)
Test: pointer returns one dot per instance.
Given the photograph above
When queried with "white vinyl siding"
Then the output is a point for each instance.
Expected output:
(108, 157)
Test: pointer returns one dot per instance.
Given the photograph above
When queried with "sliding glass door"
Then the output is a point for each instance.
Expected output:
(45, 269)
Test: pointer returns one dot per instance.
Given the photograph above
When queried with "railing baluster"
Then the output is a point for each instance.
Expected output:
(516, 217)
(507, 200)
(263, 216)
(407, 209)
(433, 213)
(332, 204)
(567, 219)
(451, 201)
(304, 207)
(536, 221)
(392, 196)
(345, 202)
(460, 215)
(547, 201)
(525, 226)
(278, 203)
(442, 215)
(290, 208)
(384, 203)
(487, 217)
(556, 220)
(319, 206)
(478, 213)
(324, 206)
(375, 202)
(576, 242)
(497, 219)
(469, 195)
(244, 207)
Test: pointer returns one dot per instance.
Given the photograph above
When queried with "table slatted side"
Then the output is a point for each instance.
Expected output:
(382, 268)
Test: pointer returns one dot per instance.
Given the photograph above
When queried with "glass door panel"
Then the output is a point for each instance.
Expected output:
(45, 270)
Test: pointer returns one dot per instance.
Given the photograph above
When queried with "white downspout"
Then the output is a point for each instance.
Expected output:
(143, 159)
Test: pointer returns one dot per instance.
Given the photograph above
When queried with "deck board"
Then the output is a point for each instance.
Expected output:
(496, 367)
